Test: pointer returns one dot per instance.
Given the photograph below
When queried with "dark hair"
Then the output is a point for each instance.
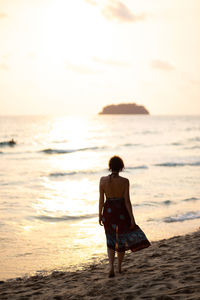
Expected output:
(116, 164)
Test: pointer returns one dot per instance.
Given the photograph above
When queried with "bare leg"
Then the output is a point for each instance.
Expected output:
(120, 256)
(111, 257)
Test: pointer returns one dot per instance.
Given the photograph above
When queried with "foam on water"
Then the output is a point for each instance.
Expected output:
(178, 164)
(191, 199)
(183, 217)
(62, 218)
(193, 147)
(137, 167)
(64, 151)
(71, 173)
(130, 145)
(61, 174)
(155, 203)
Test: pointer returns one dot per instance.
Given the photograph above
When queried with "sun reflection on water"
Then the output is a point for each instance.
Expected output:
(75, 130)
(68, 197)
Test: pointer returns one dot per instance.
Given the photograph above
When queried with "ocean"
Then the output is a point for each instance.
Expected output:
(50, 181)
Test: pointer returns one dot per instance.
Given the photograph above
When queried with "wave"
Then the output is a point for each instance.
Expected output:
(191, 199)
(177, 164)
(184, 217)
(149, 132)
(197, 163)
(166, 202)
(176, 144)
(89, 172)
(192, 147)
(137, 167)
(145, 204)
(10, 143)
(62, 218)
(170, 164)
(130, 144)
(60, 151)
(60, 174)
(60, 142)
(153, 203)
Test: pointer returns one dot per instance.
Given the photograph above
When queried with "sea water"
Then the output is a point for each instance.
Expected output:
(49, 184)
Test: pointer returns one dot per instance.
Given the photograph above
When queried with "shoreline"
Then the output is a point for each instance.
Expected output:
(169, 269)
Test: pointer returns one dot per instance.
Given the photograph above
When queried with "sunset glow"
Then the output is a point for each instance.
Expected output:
(74, 57)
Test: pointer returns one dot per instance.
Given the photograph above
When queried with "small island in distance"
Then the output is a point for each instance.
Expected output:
(124, 108)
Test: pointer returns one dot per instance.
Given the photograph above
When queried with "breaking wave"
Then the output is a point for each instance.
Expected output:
(193, 147)
(184, 217)
(130, 144)
(137, 167)
(62, 218)
(191, 199)
(153, 203)
(89, 172)
(80, 172)
(177, 164)
(60, 151)
(61, 174)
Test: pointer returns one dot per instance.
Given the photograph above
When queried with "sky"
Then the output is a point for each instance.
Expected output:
(68, 57)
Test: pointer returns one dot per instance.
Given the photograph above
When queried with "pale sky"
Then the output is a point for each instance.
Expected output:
(68, 56)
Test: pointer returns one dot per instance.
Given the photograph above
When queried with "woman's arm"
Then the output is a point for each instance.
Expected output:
(128, 203)
(101, 201)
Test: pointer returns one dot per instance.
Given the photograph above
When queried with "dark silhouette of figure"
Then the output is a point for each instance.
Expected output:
(8, 143)
(12, 142)
(116, 215)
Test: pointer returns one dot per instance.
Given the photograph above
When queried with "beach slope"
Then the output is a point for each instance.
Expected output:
(169, 269)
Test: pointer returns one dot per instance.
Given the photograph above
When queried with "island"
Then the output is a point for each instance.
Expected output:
(124, 108)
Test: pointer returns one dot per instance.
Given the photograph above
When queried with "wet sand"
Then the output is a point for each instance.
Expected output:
(169, 269)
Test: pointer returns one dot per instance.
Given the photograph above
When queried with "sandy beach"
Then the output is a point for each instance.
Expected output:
(169, 269)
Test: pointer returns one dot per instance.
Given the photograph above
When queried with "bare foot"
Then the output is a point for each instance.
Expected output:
(120, 270)
(111, 273)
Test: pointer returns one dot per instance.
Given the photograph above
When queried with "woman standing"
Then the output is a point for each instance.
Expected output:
(116, 215)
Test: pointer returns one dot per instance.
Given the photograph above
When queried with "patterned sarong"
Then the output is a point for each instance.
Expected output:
(117, 224)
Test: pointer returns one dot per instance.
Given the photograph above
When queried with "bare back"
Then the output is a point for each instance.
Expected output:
(114, 186)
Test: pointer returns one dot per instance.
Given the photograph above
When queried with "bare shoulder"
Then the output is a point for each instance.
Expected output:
(103, 179)
(124, 179)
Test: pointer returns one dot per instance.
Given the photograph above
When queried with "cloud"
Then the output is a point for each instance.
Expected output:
(4, 66)
(79, 68)
(161, 65)
(118, 11)
(115, 63)
(92, 2)
(3, 15)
